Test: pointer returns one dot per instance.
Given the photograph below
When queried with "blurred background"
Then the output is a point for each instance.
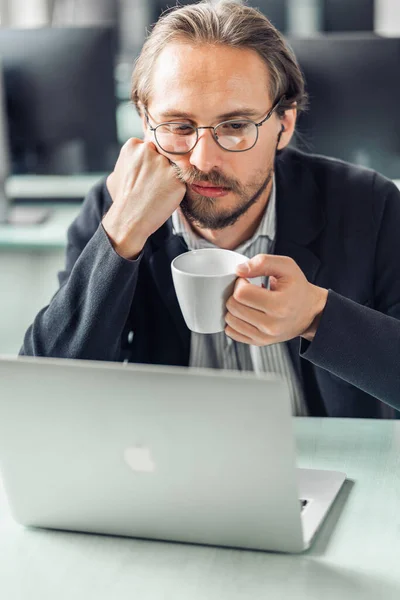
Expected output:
(48, 58)
(65, 69)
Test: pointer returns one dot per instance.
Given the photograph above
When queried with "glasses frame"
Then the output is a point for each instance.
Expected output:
(213, 128)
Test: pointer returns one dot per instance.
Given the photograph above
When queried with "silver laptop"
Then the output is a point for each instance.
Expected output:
(167, 453)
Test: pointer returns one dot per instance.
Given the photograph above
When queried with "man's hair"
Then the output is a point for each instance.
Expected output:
(226, 23)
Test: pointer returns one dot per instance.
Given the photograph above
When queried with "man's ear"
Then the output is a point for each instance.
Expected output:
(287, 123)
(145, 126)
(279, 136)
(146, 130)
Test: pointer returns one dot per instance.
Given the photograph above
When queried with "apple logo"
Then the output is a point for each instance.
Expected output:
(139, 459)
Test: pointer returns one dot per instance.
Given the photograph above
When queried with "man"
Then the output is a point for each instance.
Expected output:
(218, 92)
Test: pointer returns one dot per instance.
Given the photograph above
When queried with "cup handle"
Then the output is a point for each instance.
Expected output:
(258, 281)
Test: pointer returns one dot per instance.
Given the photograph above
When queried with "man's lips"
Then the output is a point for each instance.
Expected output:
(209, 190)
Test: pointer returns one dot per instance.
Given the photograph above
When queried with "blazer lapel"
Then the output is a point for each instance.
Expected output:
(167, 247)
(300, 217)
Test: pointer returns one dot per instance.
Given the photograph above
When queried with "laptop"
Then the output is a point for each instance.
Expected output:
(168, 453)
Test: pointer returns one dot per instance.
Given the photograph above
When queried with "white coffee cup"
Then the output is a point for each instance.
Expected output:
(204, 280)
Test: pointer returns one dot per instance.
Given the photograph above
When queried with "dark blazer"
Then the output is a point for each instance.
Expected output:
(340, 223)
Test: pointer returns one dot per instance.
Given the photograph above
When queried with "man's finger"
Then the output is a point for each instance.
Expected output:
(266, 264)
(244, 328)
(238, 337)
(258, 298)
(266, 324)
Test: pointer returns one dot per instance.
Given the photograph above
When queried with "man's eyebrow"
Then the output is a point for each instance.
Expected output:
(240, 112)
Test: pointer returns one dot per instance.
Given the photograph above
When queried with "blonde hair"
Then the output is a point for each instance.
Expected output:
(226, 23)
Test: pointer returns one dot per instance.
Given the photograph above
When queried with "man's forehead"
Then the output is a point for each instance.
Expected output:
(218, 79)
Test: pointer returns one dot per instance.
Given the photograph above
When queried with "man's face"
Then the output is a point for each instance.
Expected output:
(203, 85)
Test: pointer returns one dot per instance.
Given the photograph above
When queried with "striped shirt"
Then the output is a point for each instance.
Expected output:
(217, 350)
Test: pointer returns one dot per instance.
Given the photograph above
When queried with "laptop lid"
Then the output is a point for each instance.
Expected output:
(169, 453)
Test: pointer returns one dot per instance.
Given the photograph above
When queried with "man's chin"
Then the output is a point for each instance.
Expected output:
(211, 214)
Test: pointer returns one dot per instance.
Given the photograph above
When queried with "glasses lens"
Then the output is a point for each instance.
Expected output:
(236, 135)
(176, 137)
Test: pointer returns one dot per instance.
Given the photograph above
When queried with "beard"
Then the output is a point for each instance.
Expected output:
(205, 212)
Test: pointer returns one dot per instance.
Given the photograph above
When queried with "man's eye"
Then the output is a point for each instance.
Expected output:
(182, 129)
(234, 126)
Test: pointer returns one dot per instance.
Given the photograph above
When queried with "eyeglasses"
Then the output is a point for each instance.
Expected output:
(237, 135)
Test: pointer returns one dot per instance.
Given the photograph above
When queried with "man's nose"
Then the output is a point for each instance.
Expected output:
(206, 155)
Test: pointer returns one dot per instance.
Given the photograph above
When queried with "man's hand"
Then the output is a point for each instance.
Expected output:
(291, 307)
(145, 192)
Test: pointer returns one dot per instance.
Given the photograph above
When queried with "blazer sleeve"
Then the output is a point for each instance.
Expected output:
(361, 344)
(86, 317)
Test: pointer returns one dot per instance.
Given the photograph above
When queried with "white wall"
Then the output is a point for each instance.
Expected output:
(28, 13)
(304, 17)
(387, 17)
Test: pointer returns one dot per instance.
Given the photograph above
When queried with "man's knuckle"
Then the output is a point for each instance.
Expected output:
(290, 262)
(275, 331)
(129, 145)
(281, 313)
(262, 260)
(271, 330)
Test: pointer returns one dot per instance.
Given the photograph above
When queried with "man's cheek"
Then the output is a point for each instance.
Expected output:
(180, 164)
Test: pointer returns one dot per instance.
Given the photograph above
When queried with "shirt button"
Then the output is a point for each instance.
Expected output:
(130, 337)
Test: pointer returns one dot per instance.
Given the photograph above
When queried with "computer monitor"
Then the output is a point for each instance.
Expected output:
(60, 99)
(347, 15)
(275, 10)
(354, 87)
(8, 213)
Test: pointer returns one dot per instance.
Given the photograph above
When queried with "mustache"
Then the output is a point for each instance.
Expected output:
(214, 178)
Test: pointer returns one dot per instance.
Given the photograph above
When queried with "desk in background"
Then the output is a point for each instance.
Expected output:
(355, 555)
(31, 256)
